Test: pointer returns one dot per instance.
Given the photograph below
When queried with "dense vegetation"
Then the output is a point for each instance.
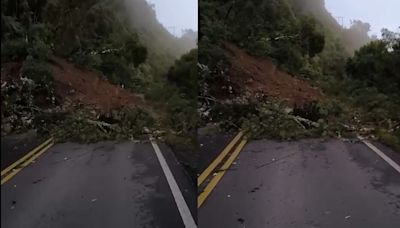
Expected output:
(360, 83)
(374, 85)
(179, 98)
(121, 40)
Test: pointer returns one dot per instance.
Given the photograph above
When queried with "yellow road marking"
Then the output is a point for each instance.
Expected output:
(19, 161)
(39, 150)
(214, 181)
(218, 160)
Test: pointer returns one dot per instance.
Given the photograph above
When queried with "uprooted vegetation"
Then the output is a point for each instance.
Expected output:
(327, 91)
(80, 70)
(82, 106)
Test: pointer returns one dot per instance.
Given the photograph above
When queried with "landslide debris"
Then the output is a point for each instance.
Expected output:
(265, 101)
(257, 75)
(82, 106)
(87, 87)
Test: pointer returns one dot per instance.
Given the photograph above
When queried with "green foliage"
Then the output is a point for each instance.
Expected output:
(135, 53)
(10, 27)
(17, 106)
(272, 121)
(184, 75)
(264, 28)
(38, 71)
(39, 50)
(90, 61)
(378, 64)
(14, 49)
(304, 39)
(312, 41)
(179, 108)
(85, 125)
(95, 37)
(390, 138)
(21, 34)
(266, 118)
(89, 33)
(107, 36)
(123, 41)
(39, 32)
(375, 74)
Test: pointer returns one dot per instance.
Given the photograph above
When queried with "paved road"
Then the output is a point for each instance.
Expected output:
(211, 145)
(98, 185)
(16, 146)
(305, 184)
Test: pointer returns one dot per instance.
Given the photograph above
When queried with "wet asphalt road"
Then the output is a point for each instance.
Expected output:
(16, 146)
(98, 185)
(305, 184)
(210, 146)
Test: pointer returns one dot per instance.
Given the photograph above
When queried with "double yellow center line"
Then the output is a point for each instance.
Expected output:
(217, 177)
(17, 166)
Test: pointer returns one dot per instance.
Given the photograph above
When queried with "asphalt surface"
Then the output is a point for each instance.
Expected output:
(394, 155)
(16, 146)
(210, 146)
(98, 185)
(305, 184)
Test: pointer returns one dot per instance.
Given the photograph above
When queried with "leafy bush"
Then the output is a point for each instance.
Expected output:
(389, 138)
(86, 125)
(377, 64)
(87, 60)
(15, 49)
(184, 75)
(39, 50)
(38, 71)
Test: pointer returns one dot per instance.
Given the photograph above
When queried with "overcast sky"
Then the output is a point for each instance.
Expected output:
(378, 13)
(181, 14)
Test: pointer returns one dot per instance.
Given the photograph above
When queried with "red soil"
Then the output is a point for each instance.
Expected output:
(261, 76)
(84, 86)
(78, 86)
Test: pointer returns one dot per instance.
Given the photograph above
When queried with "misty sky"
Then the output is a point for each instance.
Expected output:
(378, 13)
(182, 14)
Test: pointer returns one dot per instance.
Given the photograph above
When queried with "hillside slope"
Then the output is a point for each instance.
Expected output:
(260, 76)
(261, 82)
(93, 70)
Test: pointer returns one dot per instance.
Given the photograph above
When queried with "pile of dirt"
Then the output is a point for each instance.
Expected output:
(78, 86)
(83, 86)
(261, 76)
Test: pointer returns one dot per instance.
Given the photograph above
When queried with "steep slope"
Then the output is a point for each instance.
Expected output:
(261, 76)
(94, 55)
(85, 87)
(76, 86)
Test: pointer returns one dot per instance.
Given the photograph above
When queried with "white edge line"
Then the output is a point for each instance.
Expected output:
(187, 218)
(381, 154)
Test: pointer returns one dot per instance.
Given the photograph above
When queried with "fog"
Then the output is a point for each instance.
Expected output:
(142, 17)
(379, 14)
(353, 36)
(176, 15)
